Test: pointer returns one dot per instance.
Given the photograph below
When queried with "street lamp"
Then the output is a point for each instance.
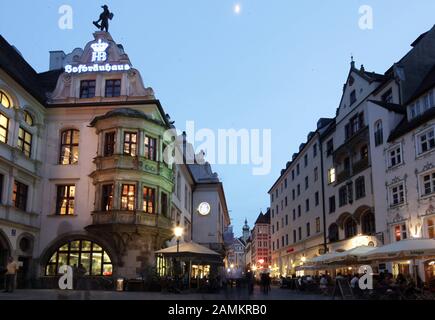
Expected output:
(178, 232)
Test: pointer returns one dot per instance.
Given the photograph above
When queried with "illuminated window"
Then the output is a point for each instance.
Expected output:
(4, 127)
(113, 88)
(65, 200)
(318, 225)
(69, 148)
(4, 100)
(19, 195)
(130, 144)
(25, 142)
(149, 200)
(400, 232)
(107, 197)
(28, 118)
(128, 197)
(431, 228)
(150, 148)
(331, 175)
(82, 255)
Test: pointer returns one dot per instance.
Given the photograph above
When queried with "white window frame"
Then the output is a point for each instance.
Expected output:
(423, 193)
(390, 157)
(391, 194)
(418, 143)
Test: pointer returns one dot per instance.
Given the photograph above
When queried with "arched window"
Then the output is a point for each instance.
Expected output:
(83, 254)
(4, 100)
(368, 223)
(350, 228)
(333, 233)
(379, 135)
(69, 147)
(28, 118)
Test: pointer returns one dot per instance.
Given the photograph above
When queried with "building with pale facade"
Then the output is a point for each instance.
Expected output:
(83, 178)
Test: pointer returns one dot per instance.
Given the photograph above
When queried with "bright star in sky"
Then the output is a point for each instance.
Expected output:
(237, 8)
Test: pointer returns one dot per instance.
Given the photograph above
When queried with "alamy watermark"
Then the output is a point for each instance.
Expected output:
(223, 147)
(66, 19)
(366, 20)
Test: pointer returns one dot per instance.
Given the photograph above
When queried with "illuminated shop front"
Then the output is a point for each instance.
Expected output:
(94, 260)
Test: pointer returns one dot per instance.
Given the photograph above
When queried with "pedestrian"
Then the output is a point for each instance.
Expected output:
(11, 273)
(81, 272)
(324, 285)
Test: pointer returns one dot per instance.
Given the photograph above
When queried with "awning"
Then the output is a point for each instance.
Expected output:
(323, 259)
(352, 255)
(405, 250)
(192, 251)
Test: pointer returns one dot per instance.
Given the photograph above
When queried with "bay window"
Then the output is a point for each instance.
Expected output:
(128, 197)
(109, 144)
(150, 148)
(130, 144)
(149, 200)
(107, 197)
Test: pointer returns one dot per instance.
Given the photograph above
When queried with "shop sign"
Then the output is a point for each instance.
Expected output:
(99, 55)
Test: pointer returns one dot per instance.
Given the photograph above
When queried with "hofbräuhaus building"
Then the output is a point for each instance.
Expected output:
(83, 181)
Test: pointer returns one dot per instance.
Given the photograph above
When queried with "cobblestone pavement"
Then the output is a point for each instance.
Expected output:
(229, 294)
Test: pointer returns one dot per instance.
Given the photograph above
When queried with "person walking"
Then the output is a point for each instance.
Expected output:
(11, 273)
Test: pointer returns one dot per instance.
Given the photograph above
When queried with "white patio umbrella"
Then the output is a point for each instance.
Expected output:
(411, 249)
(323, 259)
(354, 254)
(405, 249)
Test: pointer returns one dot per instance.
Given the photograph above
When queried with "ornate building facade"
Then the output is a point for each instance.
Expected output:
(83, 176)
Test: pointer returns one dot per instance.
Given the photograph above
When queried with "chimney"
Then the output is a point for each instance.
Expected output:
(57, 59)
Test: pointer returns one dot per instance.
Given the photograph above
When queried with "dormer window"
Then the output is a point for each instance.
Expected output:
(113, 88)
(87, 89)
(388, 96)
(352, 97)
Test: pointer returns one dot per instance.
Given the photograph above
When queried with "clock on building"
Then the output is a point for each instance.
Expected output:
(204, 208)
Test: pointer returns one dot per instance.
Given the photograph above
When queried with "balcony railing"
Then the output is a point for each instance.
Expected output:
(343, 176)
(360, 165)
(131, 218)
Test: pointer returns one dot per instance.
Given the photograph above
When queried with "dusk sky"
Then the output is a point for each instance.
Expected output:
(275, 64)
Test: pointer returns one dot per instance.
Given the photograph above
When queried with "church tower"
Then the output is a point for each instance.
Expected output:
(246, 231)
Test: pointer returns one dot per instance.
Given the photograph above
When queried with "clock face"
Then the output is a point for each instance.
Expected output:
(204, 208)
